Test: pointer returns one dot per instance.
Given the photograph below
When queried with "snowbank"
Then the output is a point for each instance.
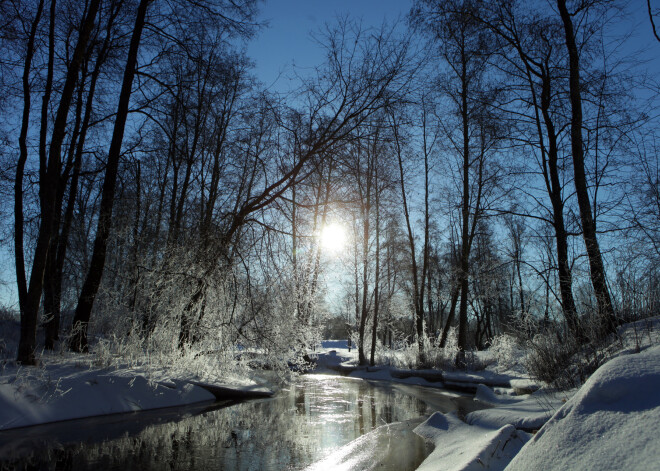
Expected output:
(528, 414)
(462, 447)
(613, 422)
(36, 400)
(68, 388)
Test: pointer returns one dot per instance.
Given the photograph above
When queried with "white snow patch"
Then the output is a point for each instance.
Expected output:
(528, 413)
(71, 387)
(85, 394)
(462, 447)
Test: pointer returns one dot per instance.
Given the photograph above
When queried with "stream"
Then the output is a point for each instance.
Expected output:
(305, 422)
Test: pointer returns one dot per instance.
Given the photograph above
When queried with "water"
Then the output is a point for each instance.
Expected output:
(309, 420)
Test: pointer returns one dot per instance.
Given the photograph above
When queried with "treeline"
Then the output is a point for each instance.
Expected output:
(495, 162)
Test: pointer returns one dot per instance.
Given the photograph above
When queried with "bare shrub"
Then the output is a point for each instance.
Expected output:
(562, 361)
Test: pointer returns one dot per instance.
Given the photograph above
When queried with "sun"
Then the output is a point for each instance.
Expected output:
(333, 237)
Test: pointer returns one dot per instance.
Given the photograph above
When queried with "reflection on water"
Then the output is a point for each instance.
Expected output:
(304, 423)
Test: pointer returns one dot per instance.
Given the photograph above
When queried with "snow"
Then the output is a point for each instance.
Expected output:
(462, 447)
(388, 447)
(88, 393)
(333, 356)
(528, 413)
(64, 389)
(613, 422)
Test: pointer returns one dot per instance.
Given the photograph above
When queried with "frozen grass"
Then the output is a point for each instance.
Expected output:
(407, 355)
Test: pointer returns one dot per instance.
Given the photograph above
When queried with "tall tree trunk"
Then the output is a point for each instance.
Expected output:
(47, 195)
(322, 199)
(450, 315)
(20, 165)
(605, 309)
(465, 215)
(418, 288)
(365, 273)
(554, 188)
(374, 330)
(78, 340)
(561, 238)
(542, 71)
(53, 276)
(135, 250)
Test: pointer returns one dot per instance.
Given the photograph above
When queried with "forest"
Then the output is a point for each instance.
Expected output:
(492, 165)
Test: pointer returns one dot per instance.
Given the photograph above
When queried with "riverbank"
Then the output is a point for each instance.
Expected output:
(66, 387)
(611, 423)
(615, 414)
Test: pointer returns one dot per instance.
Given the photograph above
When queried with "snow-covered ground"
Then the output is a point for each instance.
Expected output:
(459, 446)
(71, 387)
(528, 412)
(611, 422)
(334, 356)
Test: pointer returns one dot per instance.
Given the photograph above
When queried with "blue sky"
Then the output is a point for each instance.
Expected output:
(288, 39)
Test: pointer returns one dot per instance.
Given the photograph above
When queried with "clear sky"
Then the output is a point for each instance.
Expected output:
(288, 39)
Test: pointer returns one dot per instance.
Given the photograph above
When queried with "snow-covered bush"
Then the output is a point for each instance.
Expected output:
(441, 357)
(508, 352)
(184, 316)
(549, 360)
(406, 356)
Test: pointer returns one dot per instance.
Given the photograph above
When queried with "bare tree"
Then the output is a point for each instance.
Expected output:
(419, 275)
(49, 176)
(465, 50)
(78, 341)
(70, 175)
(598, 280)
(534, 43)
(652, 20)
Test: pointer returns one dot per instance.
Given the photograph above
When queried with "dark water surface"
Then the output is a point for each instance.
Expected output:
(305, 422)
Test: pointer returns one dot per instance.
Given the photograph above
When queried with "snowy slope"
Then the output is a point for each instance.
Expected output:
(87, 393)
(612, 423)
(528, 413)
(71, 387)
(462, 447)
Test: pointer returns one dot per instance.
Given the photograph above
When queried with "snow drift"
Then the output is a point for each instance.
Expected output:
(613, 422)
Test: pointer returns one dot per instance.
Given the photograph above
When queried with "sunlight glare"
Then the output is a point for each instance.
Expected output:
(333, 237)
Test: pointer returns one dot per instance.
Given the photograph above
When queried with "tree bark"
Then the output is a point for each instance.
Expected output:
(82, 315)
(366, 212)
(604, 302)
(465, 215)
(47, 196)
(20, 165)
(374, 330)
(418, 287)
